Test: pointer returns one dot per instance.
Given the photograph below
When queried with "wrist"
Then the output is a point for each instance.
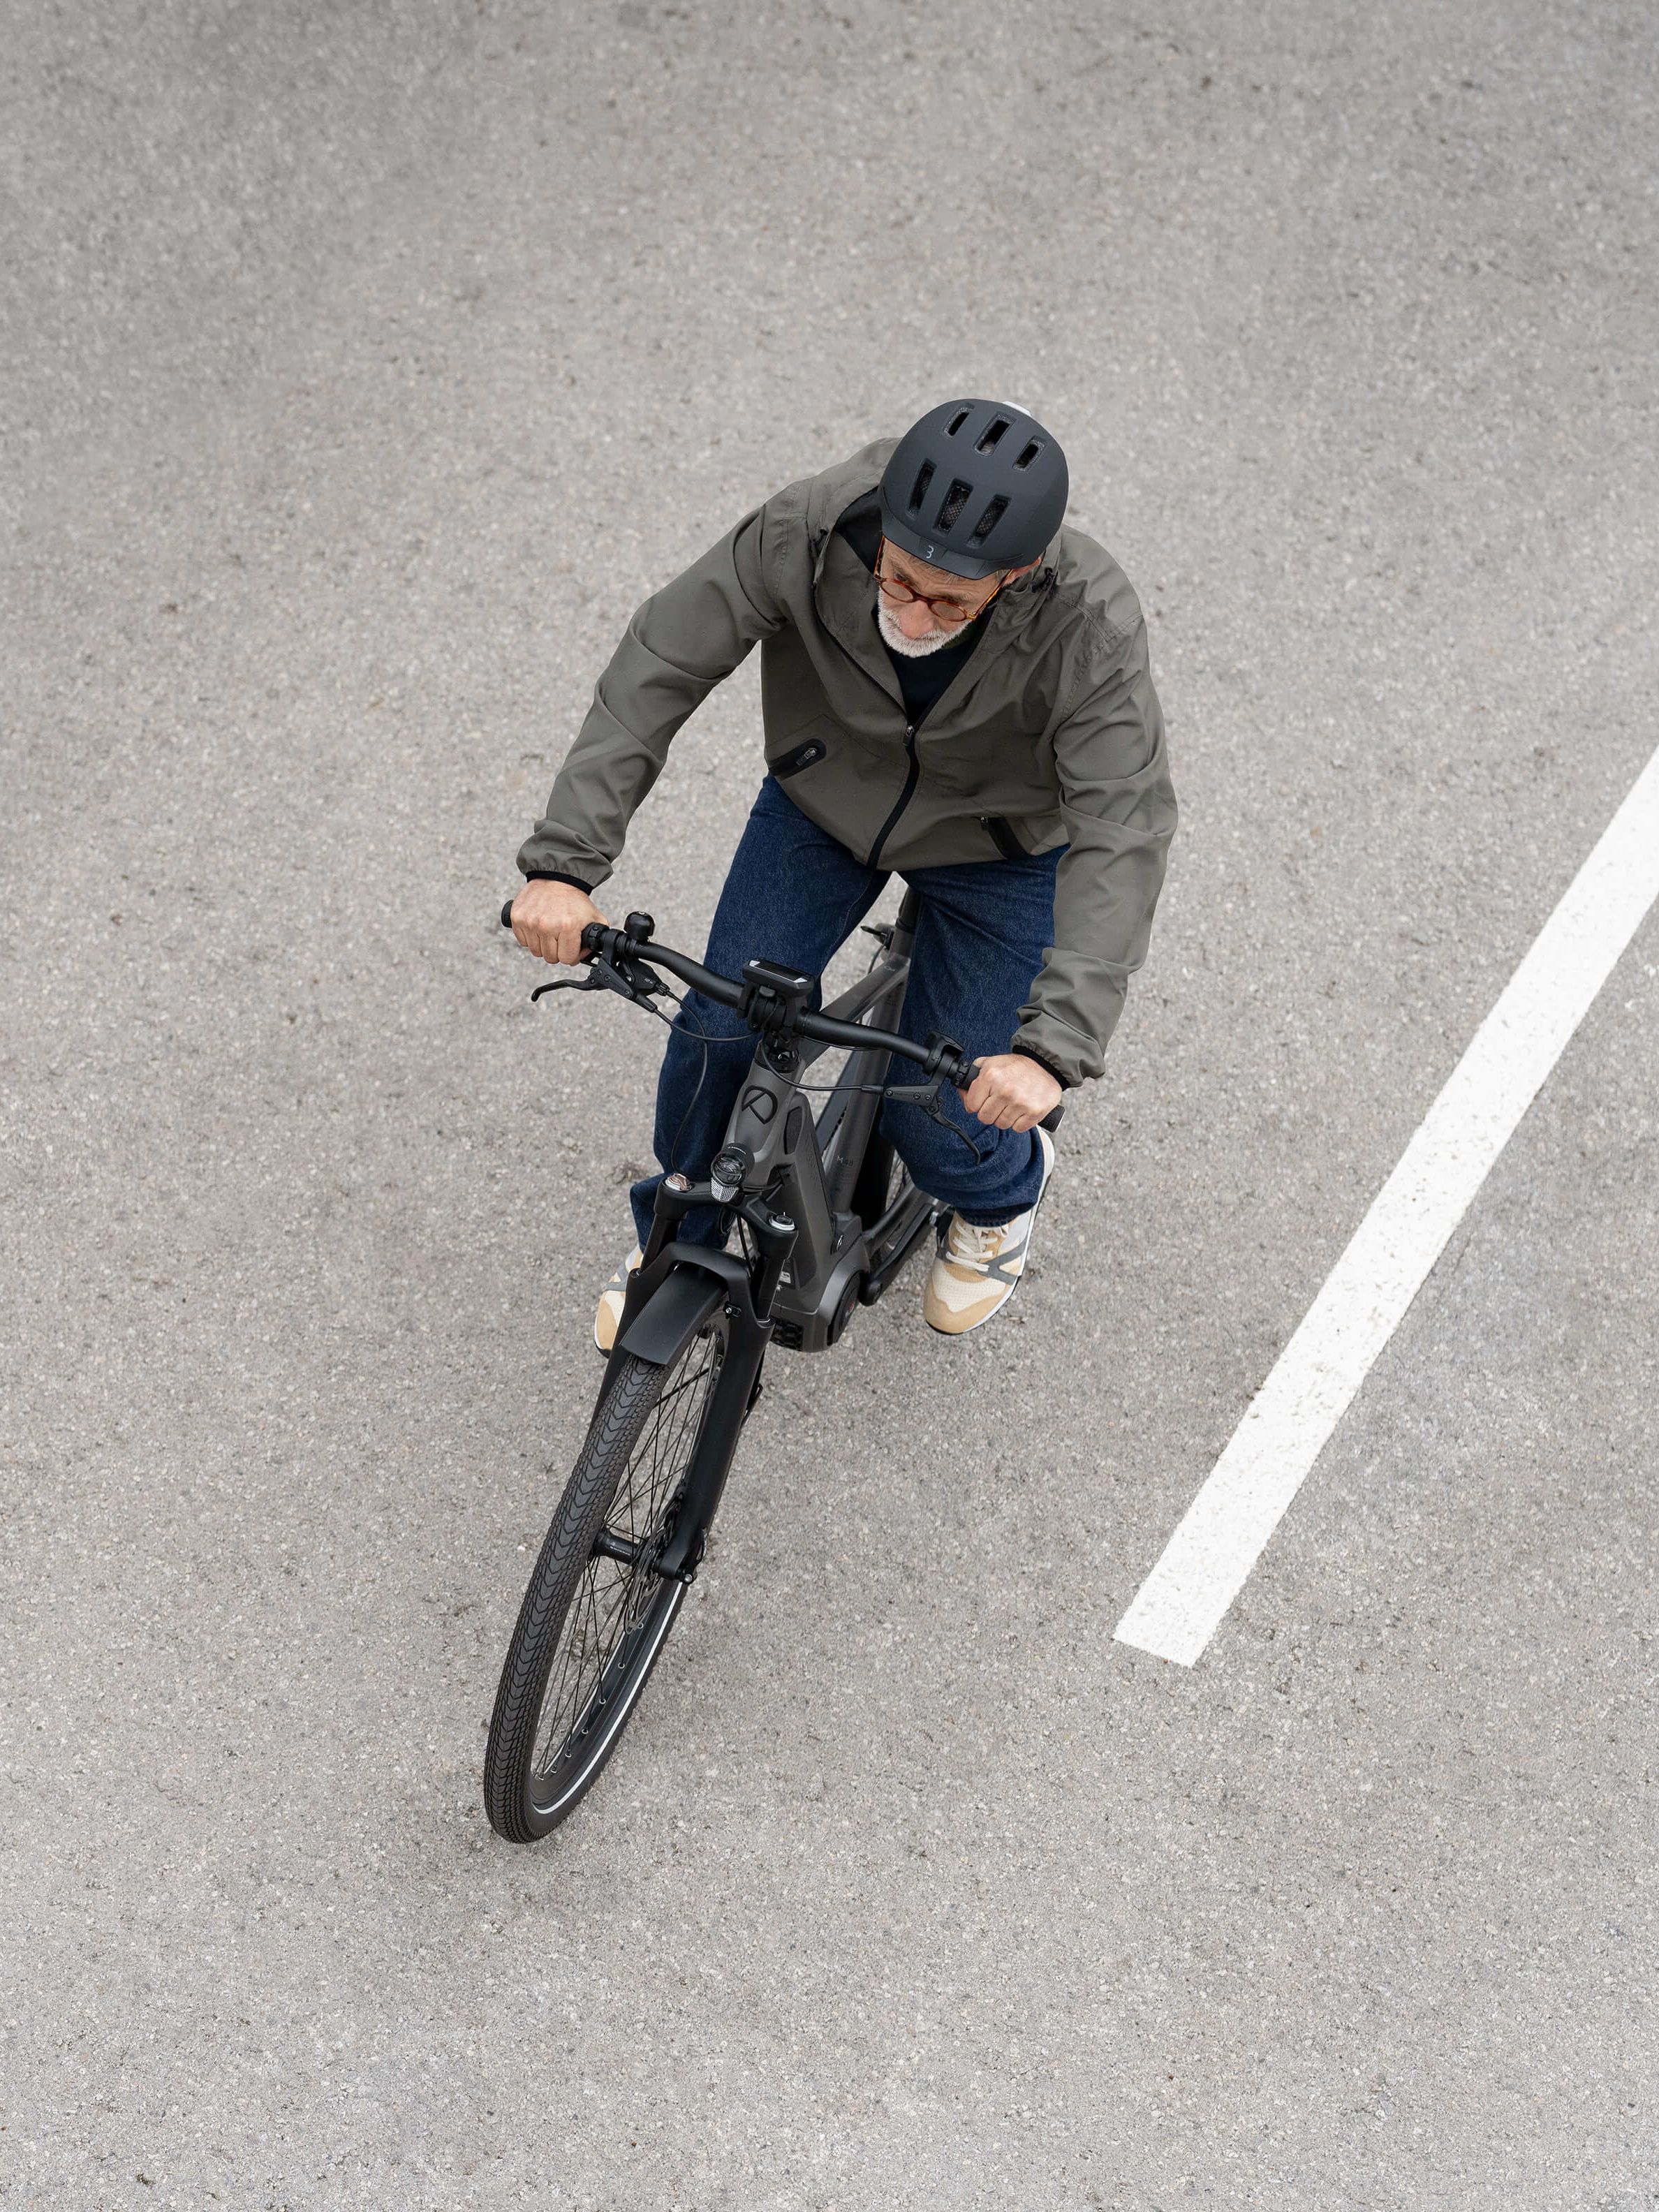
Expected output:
(1029, 1052)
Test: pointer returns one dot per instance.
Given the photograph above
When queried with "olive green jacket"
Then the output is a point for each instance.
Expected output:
(1050, 734)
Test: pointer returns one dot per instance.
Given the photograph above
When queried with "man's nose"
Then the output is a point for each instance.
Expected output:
(914, 619)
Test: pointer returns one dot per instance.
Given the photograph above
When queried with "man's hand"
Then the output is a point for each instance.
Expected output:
(1012, 1092)
(549, 918)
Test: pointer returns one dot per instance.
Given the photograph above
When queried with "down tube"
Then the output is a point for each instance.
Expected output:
(849, 1137)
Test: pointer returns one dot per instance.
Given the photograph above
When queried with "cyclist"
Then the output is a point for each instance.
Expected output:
(954, 688)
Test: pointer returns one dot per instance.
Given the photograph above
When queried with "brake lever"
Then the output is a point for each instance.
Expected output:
(589, 982)
(637, 983)
(927, 1095)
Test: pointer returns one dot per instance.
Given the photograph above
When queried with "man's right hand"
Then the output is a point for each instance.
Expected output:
(549, 918)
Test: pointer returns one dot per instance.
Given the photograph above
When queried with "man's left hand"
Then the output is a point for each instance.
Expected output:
(1012, 1092)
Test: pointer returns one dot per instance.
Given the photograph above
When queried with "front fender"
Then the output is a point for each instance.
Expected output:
(685, 1301)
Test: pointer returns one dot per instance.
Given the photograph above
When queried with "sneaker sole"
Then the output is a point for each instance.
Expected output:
(619, 1291)
(1002, 1306)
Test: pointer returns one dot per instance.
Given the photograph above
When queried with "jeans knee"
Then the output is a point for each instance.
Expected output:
(703, 1021)
(934, 1153)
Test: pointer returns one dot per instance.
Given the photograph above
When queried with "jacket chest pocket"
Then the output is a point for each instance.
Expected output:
(1000, 755)
(806, 755)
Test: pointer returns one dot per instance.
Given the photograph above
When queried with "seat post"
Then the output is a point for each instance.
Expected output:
(904, 924)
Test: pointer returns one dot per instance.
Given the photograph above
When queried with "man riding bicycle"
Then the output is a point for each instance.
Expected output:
(955, 689)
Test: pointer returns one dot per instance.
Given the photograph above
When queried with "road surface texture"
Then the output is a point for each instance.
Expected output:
(364, 366)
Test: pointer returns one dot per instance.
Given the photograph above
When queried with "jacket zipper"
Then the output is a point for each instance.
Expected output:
(909, 747)
(874, 859)
(912, 773)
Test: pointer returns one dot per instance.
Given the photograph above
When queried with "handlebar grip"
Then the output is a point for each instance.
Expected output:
(592, 931)
(1051, 1120)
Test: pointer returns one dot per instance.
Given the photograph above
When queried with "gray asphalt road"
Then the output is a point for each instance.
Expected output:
(363, 367)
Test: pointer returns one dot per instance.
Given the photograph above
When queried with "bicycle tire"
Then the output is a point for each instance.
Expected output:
(532, 1783)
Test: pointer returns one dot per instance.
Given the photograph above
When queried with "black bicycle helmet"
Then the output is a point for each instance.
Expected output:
(975, 487)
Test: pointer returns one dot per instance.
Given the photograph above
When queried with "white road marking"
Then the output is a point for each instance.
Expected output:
(1180, 1605)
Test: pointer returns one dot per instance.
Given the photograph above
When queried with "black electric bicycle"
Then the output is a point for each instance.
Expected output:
(826, 1217)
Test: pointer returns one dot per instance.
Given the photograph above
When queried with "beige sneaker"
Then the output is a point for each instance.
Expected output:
(608, 1319)
(976, 1273)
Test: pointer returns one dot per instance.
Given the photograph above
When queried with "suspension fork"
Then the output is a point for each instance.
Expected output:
(736, 1389)
(747, 1307)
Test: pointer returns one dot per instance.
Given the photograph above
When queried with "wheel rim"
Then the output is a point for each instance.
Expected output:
(621, 1609)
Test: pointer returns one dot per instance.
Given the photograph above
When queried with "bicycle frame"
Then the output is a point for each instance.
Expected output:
(815, 1256)
(836, 1171)
(826, 1176)
(815, 1189)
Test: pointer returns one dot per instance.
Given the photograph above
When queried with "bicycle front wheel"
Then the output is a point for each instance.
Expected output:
(597, 1614)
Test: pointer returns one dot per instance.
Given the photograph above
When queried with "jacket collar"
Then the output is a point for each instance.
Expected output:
(844, 591)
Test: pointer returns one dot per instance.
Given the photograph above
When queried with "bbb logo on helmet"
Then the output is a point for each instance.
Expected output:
(989, 481)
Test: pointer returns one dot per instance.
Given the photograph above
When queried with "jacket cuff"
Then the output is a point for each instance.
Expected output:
(1031, 1052)
(557, 876)
(550, 851)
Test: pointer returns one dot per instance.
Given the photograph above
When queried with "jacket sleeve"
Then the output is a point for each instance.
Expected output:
(1119, 808)
(676, 648)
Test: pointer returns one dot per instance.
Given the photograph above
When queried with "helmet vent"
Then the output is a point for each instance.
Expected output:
(957, 421)
(919, 489)
(955, 500)
(1030, 454)
(993, 436)
(995, 509)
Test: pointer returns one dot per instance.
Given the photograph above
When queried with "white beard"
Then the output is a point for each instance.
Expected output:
(915, 647)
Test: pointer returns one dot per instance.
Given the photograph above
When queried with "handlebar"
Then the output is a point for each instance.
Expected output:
(938, 1057)
(618, 945)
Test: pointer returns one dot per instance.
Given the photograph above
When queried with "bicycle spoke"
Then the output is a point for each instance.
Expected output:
(613, 1599)
(663, 1445)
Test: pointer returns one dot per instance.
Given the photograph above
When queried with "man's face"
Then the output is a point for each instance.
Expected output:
(911, 625)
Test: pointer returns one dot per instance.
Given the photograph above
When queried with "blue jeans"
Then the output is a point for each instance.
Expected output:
(794, 894)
